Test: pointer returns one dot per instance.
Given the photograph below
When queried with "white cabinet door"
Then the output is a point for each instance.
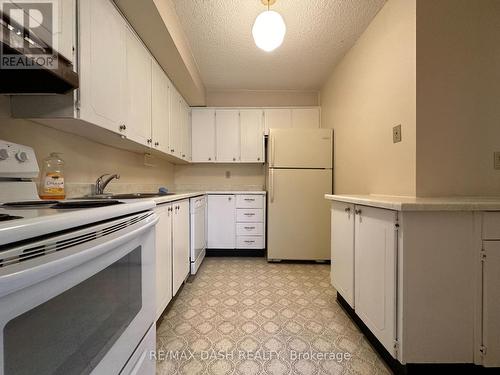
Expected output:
(66, 29)
(278, 118)
(180, 244)
(203, 138)
(491, 304)
(175, 122)
(375, 276)
(138, 90)
(221, 222)
(163, 258)
(252, 135)
(186, 124)
(227, 130)
(160, 115)
(188, 142)
(342, 272)
(103, 65)
(308, 118)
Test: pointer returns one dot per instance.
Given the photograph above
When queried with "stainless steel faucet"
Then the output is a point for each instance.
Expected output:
(102, 182)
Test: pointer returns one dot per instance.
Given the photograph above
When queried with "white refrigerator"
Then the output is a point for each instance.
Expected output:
(300, 174)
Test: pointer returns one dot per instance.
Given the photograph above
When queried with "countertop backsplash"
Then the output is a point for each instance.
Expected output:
(74, 190)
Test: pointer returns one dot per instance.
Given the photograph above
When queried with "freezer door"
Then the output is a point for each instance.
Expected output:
(298, 214)
(300, 148)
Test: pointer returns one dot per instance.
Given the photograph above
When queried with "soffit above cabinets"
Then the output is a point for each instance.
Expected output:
(319, 33)
(157, 24)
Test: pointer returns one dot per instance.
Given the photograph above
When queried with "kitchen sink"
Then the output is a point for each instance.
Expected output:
(126, 196)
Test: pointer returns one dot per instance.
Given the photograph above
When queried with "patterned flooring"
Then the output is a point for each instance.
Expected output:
(247, 316)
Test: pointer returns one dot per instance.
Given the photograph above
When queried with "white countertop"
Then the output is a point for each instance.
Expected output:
(186, 195)
(398, 203)
(247, 192)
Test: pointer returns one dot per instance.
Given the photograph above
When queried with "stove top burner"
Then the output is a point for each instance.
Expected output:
(5, 217)
(85, 204)
(29, 204)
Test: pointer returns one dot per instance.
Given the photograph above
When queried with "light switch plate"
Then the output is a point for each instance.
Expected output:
(496, 162)
(396, 134)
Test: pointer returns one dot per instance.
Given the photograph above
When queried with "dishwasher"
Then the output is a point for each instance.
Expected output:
(198, 208)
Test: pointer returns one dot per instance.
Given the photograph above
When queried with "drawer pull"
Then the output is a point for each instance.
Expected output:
(249, 199)
(249, 241)
(249, 214)
(249, 228)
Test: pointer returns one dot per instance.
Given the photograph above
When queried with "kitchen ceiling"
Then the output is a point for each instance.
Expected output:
(319, 32)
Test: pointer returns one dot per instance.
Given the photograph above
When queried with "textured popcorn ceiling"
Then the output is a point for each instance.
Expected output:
(319, 33)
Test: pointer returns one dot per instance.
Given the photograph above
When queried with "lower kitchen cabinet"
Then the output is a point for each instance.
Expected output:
(375, 277)
(172, 251)
(342, 275)
(163, 258)
(180, 244)
(236, 221)
(364, 245)
(221, 221)
(491, 304)
(423, 282)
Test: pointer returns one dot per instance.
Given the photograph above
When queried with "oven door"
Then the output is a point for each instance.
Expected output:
(80, 302)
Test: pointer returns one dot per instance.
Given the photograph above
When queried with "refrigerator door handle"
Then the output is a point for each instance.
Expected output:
(273, 146)
(271, 187)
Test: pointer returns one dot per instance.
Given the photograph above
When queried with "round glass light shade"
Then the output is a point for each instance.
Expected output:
(268, 30)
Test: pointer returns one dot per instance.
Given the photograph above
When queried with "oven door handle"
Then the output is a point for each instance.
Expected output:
(24, 274)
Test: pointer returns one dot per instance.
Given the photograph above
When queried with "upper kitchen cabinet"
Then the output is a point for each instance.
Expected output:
(175, 123)
(185, 132)
(278, 118)
(203, 138)
(299, 117)
(306, 118)
(138, 90)
(227, 135)
(252, 135)
(160, 108)
(103, 74)
(66, 32)
(124, 100)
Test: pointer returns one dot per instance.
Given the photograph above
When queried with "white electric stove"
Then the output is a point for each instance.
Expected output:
(77, 292)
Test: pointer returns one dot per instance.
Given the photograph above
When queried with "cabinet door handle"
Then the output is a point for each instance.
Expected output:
(348, 211)
(357, 212)
(234, 159)
(157, 143)
(149, 141)
(209, 159)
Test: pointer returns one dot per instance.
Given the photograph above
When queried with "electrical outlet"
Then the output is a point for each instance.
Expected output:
(396, 134)
(496, 156)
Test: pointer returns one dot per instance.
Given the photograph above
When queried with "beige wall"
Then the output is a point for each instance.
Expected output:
(213, 177)
(264, 98)
(458, 97)
(86, 160)
(371, 90)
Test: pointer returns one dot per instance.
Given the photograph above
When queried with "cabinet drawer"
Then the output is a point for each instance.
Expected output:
(250, 229)
(250, 215)
(250, 242)
(249, 201)
(491, 226)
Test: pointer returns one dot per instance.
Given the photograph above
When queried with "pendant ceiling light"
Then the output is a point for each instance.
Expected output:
(269, 29)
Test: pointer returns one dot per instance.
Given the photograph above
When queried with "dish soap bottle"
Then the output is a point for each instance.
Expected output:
(52, 178)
